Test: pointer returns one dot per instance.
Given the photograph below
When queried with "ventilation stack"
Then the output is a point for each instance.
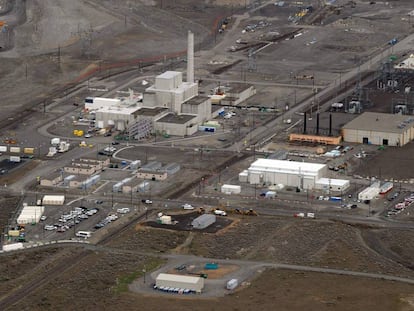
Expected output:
(190, 58)
(330, 124)
(304, 123)
(317, 123)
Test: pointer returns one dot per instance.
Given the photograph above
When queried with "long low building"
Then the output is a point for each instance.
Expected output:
(303, 175)
(180, 281)
(290, 173)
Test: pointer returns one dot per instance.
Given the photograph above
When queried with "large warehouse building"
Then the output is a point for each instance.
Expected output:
(380, 129)
(303, 175)
(194, 283)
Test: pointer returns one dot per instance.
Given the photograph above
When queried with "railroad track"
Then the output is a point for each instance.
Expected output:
(7, 302)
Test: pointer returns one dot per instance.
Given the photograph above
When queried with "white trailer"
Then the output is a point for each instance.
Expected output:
(12, 247)
(231, 189)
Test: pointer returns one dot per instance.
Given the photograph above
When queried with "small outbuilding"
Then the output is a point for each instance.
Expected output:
(180, 281)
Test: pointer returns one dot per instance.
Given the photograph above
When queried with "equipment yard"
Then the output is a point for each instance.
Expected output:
(207, 155)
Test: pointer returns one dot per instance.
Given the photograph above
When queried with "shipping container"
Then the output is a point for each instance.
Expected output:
(211, 266)
(3, 148)
(15, 149)
(15, 159)
(29, 150)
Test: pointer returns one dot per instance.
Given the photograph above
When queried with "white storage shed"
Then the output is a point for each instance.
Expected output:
(53, 200)
(231, 189)
(180, 281)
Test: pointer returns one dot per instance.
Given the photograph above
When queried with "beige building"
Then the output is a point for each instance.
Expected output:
(52, 180)
(85, 166)
(237, 93)
(149, 175)
(380, 129)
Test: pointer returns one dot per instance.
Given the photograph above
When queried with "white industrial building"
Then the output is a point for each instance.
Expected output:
(30, 214)
(171, 105)
(380, 129)
(193, 283)
(370, 193)
(303, 175)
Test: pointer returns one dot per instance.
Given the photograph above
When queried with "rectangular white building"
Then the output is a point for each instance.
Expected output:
(180, 281)
(289, 173)
(230, 189)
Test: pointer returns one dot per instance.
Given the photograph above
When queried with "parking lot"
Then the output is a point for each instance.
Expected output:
(64, 222)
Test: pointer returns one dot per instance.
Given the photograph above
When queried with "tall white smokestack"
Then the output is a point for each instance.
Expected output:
(190, 58)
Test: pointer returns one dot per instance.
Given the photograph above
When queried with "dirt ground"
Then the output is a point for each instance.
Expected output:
(61, 39)
(93, 284)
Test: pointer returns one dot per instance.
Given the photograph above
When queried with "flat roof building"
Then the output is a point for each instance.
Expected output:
(193, 283)
(303, 175)
(379, 129)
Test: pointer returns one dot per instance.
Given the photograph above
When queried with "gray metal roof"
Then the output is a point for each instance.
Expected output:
(381, 122)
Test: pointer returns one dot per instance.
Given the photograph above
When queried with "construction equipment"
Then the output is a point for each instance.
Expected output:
(201, 210)
(250, 212)
(10, 141)
(304, 77)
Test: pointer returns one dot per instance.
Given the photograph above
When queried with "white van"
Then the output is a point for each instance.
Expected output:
(84, 234)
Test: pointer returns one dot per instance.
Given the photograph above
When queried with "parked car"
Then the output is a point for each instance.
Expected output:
(50, 227)
(43, 218)
(123, 210)
(146, 201)
(98, 201)
(188, 206)
(220, 212)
